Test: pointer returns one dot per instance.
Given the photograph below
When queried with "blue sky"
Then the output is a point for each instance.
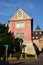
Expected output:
(34, 8)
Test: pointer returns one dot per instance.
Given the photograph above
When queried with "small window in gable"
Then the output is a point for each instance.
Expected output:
(19, 14)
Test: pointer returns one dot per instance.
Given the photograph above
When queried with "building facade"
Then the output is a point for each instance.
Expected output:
(38, 37)
(21, 25)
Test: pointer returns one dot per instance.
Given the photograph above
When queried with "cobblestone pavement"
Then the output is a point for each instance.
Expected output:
(38, 61)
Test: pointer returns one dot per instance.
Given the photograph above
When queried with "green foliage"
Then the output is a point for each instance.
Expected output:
(17, 55)
(3, 28)
(16, 45)
(6, 39)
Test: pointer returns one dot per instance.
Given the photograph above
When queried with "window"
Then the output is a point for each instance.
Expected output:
(40, 33)
(36, 33)
(20, 35)
(36, 37)
(33, 37)
(19, 13)
(20, 25)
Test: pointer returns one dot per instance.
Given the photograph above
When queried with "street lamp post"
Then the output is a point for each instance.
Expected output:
(6, 50)
(21, 48)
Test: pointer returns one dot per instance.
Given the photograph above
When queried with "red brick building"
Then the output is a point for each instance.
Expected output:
(21, 25)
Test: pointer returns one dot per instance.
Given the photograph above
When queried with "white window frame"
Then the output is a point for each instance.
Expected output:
(20, 25)
(19, 34)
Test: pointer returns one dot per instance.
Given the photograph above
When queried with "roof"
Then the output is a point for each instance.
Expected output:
(15, 15)
(38, 28)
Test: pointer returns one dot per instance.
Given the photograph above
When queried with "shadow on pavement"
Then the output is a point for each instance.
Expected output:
(9, 63)
(4, 63)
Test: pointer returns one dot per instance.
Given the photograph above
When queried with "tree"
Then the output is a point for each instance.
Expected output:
(6, 39)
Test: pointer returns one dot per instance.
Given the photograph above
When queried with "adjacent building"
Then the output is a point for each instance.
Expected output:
(38, 37)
